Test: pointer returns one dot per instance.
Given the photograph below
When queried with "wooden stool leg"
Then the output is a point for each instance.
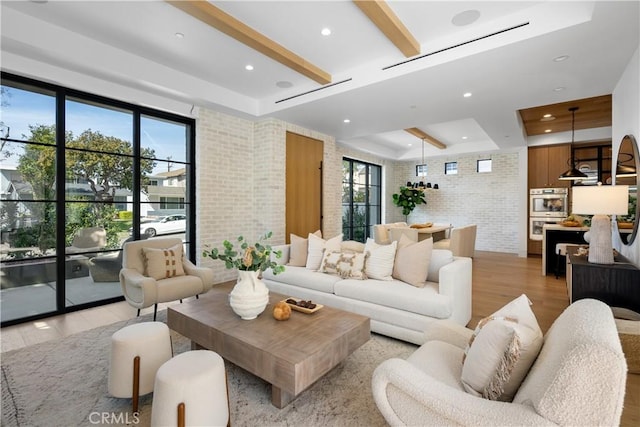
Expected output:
(226, 383)
(136, 383)
(181, 415)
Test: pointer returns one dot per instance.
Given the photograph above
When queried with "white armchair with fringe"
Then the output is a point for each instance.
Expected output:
(155, 271)
(578, 378)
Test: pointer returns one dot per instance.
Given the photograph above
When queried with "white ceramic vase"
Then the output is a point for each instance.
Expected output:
(249, 296)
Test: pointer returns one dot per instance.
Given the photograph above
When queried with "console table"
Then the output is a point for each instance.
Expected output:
(556, 233)
(617, 284)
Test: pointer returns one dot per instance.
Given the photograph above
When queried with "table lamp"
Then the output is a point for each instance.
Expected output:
(600, 201)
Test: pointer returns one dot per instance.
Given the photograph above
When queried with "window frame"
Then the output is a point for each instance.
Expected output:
(349, 228)
(62, 95)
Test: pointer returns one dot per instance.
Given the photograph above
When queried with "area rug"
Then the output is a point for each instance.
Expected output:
(64, 383)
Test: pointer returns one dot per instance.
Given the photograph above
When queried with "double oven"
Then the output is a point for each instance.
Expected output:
(546, 206)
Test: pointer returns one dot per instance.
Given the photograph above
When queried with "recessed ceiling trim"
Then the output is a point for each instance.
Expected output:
(314, 90)
(426, 137)
(388, 22)
(222, 21)
(515, 27)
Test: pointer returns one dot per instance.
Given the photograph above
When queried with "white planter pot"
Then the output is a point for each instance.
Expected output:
(249, 296)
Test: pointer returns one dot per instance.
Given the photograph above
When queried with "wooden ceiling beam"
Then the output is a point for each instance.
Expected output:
(388, 22)
(426, 137)
(222, 21)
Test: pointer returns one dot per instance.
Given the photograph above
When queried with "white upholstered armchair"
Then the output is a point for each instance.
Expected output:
(577, 379)
(155, 271)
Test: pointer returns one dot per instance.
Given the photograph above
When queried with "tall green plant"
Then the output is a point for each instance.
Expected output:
(408, 199)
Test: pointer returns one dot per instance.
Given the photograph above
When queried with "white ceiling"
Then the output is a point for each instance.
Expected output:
(133, 43)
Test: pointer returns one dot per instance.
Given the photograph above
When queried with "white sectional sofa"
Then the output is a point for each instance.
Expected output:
(396, 309)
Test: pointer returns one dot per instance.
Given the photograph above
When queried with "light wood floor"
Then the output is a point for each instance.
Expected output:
(497, 279)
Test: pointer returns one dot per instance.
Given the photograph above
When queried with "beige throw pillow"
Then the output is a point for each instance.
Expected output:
(412, 261)
(317, 246)
(299, 249)
(501, 351)
(163, 263)
(379, 261)
(348, 265)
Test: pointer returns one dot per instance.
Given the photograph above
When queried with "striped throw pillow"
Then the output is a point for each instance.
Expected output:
(163, 263)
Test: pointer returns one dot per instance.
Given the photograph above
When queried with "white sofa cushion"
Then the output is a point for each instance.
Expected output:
(412, 261)
(344, 264)
(501, 351)
(299, 249)
(317, 246)
(304, 278)
(380, 259)
(396, 294)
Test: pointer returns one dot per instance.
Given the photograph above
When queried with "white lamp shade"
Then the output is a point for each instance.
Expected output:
(601, 200)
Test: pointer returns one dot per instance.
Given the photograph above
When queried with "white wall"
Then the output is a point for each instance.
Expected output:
(626, 120)
(491, 200)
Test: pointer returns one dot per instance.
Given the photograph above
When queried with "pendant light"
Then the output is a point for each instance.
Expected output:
(573, 173)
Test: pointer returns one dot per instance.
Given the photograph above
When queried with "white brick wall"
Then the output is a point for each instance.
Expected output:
(489, 200)
(240, 181)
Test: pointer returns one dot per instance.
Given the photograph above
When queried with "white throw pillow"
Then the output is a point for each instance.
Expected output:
(380, 258)
(501, 351)
(348, 265)
(298, 250)
(163, 263)
(317, 246)
(412, 261)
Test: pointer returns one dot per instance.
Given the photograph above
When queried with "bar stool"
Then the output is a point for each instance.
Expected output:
(137, 352)
(561, 251)
(191, 389)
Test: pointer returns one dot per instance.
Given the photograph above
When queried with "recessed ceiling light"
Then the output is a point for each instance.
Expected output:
(561, 58)
(410, 145)
(465, 137)
(347, 121)
(179, 35)
(467, 94)
(284, 84)
(326, 32)
(248, 67)
(465, 18)
(559, 89)
(547, 115)
(547, 118)
(547, 130)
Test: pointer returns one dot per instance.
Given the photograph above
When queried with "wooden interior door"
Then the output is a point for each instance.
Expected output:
(304, 185)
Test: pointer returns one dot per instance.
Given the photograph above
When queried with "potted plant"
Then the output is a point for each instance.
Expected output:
(250, 295)
(408, 198)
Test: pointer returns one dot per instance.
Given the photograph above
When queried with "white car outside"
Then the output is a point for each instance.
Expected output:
(166, 225)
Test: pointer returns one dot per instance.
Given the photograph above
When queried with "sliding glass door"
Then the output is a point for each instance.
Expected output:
(81, 175)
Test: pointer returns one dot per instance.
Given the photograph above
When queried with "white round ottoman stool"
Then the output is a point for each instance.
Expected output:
(137, 352)
(191, 390)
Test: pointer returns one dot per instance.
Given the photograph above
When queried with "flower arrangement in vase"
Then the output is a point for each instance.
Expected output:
(250, 295)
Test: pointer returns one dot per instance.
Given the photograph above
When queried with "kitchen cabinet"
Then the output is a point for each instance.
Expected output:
(546, 164)
(617, 284)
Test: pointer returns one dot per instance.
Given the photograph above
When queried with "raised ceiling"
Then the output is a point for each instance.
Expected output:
(593, 112)
(501, 52)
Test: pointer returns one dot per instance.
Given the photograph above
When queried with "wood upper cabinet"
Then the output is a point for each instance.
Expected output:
(546, 164)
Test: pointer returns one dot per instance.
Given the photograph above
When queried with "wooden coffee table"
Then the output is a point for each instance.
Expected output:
(290, 355)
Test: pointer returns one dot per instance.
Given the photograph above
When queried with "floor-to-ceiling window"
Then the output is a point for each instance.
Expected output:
(81, 175)
(361, 198)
